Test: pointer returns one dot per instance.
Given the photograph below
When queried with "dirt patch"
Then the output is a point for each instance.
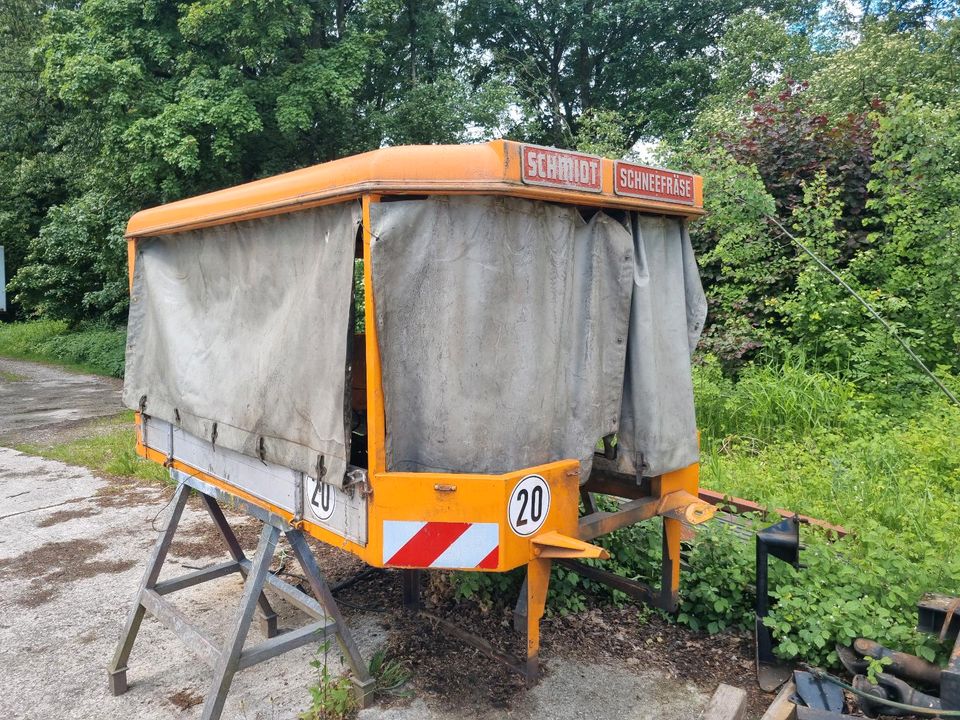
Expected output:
(637, 638)
(37, 595)
(121, 493)
(335, 564)
(203, 539)
(65, 515)
(87, 637)
(457, 678)
(185, 699)
(56, 563)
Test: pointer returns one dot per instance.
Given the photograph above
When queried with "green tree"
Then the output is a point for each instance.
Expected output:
(161, 99)
(650, 63)
(29, 178)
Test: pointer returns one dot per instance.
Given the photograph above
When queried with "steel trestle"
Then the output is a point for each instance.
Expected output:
(230, 657)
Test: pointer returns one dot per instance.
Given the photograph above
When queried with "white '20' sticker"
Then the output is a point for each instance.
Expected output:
(321, 497)
(529, 505)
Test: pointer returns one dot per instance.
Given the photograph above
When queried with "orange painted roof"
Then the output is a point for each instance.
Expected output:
(493, 168)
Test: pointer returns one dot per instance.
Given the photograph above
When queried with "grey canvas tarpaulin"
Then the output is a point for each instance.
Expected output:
(238, 334)
(504, 326)
(658, 426)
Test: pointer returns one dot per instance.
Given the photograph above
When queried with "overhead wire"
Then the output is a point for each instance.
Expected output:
(869, 308)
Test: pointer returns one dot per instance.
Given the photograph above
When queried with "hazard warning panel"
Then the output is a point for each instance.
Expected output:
(561, 169)
(650, 183)
(455, 545)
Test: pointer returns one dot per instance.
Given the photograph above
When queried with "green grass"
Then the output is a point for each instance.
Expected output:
(811, 443)
(885, 467)
(10, 377)
(94, 348)
(107, 447)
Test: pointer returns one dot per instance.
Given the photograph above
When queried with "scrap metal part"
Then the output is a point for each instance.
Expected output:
(903, 665)
(817, 693)
(889, 687)
(782, 541)
(938, 614)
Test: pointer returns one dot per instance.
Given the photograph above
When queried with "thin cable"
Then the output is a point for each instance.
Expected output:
(916, 709)
(153, 522)
(870, 309)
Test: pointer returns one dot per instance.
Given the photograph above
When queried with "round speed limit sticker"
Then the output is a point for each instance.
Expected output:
(321, 498)
(529, 505)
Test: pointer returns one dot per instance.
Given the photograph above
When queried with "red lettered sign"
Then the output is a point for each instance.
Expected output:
(561, 169)
(640, 181)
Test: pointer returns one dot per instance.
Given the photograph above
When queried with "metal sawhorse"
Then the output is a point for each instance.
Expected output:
(228, 659)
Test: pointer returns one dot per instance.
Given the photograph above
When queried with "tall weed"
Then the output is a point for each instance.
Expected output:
(20, 340)
(770, 403)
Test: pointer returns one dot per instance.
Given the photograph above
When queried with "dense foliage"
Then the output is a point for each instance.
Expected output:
(810, 442)
(864, 169)
(114, 105)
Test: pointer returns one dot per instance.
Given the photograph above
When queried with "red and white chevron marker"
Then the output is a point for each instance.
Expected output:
(460, 545)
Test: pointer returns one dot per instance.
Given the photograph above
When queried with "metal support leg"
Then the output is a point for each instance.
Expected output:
(412, 583)
(520, 609)
(589, 502)
(538, 580)
(227, 659)
(228, 662)
(268, 619)
(118, 666)
(364, 685)
(670, 566)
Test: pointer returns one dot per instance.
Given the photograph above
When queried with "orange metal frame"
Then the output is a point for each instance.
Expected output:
(491, 168)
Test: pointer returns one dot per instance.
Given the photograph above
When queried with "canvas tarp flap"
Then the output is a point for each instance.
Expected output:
(238, 334)
(503, 327)
(658, 427)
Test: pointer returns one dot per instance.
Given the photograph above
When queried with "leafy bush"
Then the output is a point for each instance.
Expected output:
(99, 348)
(874, 192)
(865, 586)
(95, 347)
(808, 441)
(717, 585)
